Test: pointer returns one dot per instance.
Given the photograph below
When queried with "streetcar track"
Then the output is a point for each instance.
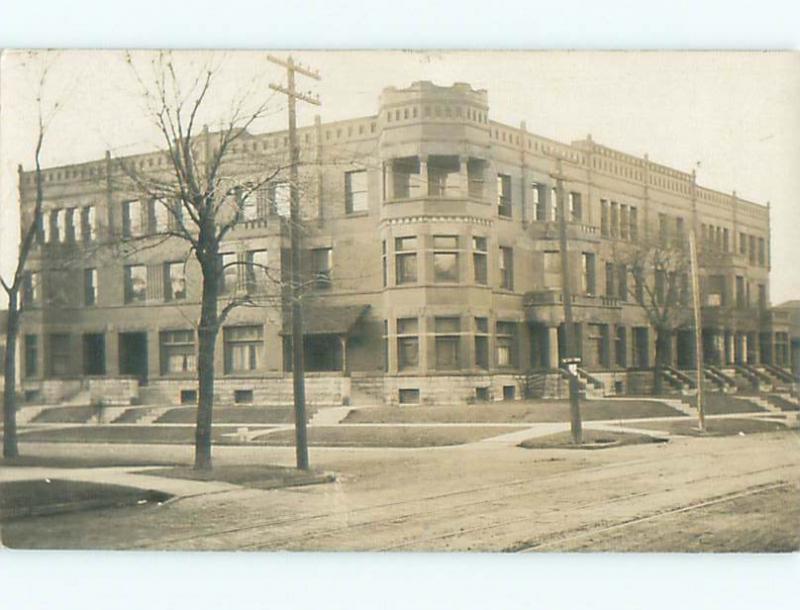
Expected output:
(583, 533)
(467, 508)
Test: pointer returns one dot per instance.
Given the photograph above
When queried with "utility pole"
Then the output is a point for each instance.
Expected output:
(298, 365)
(571, 359)
(698, 337)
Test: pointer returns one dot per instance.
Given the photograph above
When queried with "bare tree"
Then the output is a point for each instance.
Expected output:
(203, 187)
(659, 269)
(29, 224)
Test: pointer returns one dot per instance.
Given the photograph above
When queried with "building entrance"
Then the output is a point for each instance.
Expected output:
(94, 354)
(133, 355)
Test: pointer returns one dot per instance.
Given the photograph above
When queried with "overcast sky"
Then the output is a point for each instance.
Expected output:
(734, 113)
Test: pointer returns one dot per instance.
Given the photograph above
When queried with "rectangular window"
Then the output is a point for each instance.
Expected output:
(506, 344)
(61, 226)
(661, 286)
(479, 260)
(445, 258)
(476, 172)
(482, 343)
(31, 355)
(715, 295)
(384, 264)
(60, 355)
(624, 222)
(680, 229)
(726, 246)
(69, 221)
(89, 223)
(552, 270)
(762, 297)
(243, 348)
(575, 207)
(407, 343)
(504, 195)
(405, 177)
(355, 191)
(321, 266)
(174, 281)
(405, 260)
(77, 225)
(89, 287)
(256, 269)
(177, 352)
(622, 282)
(280, 199)
(447, 343)
(752, 250)
(620, 347)
(51, 227)
(762, 252)
(605, 221)
(135, 283)
(31, 289)
(442, 173)
(506, 268)
(228, 272)
(742, 243)
(614, 219)
(741, 296)
(588, 273)
(158, 216)
(634, 223)
(610, 292)
(247, 202)
(663, 229)
(131, 218)
(538, 202)
(175, 214)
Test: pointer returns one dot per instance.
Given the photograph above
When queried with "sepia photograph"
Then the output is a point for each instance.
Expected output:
(487, 301)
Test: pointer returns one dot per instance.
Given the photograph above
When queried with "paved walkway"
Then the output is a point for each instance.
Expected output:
(125, 475)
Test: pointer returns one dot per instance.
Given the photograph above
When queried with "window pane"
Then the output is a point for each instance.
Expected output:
(445, 242)
(445, 266)
(407, 326)
(447, 325)
(355, 191)
(406, 268)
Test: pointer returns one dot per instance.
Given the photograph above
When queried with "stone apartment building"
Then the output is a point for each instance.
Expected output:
(431, 244)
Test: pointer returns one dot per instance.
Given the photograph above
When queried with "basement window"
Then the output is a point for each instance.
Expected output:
(188, 397)
(243, 396)
(409, 396)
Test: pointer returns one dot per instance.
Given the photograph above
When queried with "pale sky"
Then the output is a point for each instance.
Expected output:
(734, 113)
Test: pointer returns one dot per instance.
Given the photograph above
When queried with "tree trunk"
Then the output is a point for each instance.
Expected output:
(662, 345)
(10, 446)
(207, 336)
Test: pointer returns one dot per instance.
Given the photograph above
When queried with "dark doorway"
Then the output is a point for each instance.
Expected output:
(94, 354)
(133, 355)
(684, 344)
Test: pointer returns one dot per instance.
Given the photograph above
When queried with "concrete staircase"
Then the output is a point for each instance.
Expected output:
(763, 403)
(329, 416)
(29, 412)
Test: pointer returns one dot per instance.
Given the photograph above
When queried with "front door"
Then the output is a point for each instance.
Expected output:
(133, 355)
(94, 354)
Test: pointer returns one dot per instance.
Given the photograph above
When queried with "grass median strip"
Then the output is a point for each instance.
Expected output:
(117, 433)
(728, 426)
(513, 412)
(257, 477)
(39, 497)
(388, 436)
(592, 439)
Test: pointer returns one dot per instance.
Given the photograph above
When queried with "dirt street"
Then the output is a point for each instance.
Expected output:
(712, 494)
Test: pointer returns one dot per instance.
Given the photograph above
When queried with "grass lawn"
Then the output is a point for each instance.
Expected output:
(723, 404)
(51, 496)
(234, 415)
(512, 412)
(118, 433)
(258, 477)
(376, 436)
(716, 427)
(592, 439)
